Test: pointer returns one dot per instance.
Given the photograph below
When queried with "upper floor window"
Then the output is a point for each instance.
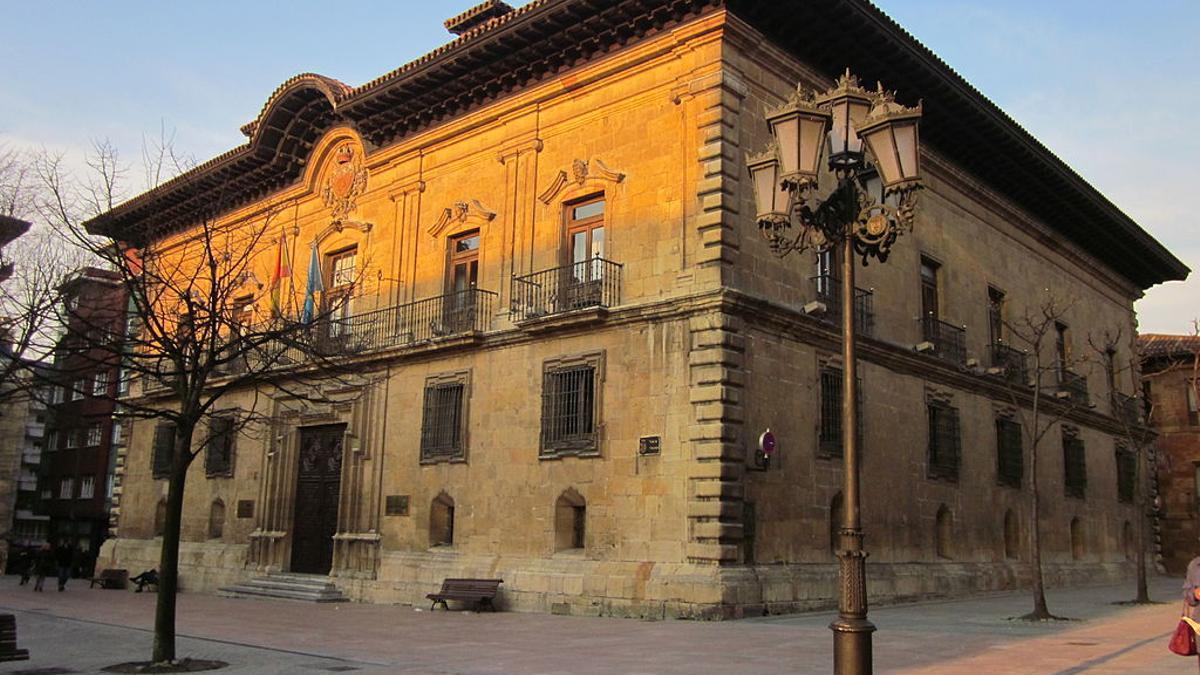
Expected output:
(1074, 463)
(95, 434)
(342, 267)
(1062, 351)
(100, 384)
(163, 451)
(1192, 408)
(995, 315)
(585, 229)
(1110, 369)
(80, 389)
(66, 488)
(464, 262)
(930, 306)
(51, 442)
(87, 487)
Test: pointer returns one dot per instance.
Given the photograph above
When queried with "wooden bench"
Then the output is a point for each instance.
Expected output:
(8, 640)
(480, 592)
(111, 578)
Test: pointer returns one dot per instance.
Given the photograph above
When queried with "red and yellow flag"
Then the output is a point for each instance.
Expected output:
(283, 270)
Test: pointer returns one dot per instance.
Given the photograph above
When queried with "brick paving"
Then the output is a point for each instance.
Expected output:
(83, 630)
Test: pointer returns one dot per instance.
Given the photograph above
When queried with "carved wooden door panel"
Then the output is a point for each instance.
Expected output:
(318, 484)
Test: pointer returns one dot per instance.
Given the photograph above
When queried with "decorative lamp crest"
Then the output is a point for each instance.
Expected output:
(848, 104)
(891, 134)
(799, 127)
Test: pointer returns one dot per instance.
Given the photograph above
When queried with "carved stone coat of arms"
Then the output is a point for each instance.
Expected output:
(347, 180)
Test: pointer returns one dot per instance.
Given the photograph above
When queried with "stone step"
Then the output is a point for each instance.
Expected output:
(308, 588)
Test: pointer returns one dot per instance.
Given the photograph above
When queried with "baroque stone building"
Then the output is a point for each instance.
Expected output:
(573, 335)
(1169, 374)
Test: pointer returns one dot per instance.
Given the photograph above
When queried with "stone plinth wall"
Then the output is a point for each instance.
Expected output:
(570, 584)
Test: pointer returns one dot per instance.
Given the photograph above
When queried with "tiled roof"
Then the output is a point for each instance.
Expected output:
(1158, 345)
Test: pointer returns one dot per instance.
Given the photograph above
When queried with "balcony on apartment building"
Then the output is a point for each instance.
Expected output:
(1008, 363)
(588, 284)
(829, 293)
(943, 340)
(1127, 409)
(1072, 386)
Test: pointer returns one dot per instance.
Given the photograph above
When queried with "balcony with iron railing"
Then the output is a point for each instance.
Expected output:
(1008, 363)
(423, 321)
(1127, 409)
(945, 340)
(829, 293)
(1072, 386)
(588, 284)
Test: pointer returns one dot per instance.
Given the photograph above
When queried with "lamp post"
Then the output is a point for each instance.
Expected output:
(870, 139)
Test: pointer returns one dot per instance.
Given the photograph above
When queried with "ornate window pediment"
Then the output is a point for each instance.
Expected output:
(581, 172)
(463, 213)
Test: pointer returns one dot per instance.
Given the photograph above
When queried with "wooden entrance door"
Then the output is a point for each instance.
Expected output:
(318, 484)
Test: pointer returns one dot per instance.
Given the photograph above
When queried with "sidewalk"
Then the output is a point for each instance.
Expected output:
(82, 630)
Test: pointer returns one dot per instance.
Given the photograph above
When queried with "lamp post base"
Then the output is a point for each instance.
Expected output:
(852, 646)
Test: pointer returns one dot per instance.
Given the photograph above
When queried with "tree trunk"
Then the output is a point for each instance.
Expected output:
(168, 567)
(1040, 611)
(1139, 505)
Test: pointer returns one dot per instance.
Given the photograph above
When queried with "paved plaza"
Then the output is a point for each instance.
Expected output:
(83, 630)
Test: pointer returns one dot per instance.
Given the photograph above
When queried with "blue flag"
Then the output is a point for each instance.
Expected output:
(315, 285)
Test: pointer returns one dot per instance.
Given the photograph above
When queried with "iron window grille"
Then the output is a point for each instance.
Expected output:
(829, 435)
(164, 450)
(1074, 465)
(945, 445)
(218, 451)
(570, 406)
(1126, 474)
(1010, 455)
(443, 419)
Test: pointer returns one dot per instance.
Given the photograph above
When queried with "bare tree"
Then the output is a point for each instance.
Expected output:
(1043, 389)
(198, 323)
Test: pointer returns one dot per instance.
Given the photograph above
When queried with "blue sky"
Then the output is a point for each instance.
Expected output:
(1110, 87)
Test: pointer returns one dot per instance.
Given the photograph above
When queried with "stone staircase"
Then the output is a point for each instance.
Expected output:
(302, 587)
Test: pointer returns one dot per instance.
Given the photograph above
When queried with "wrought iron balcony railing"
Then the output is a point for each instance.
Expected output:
(1010, 362)
(829, 292)
(1128, 409)
(1074, 385)
(449, 315)
(949, 341)
(581, 285)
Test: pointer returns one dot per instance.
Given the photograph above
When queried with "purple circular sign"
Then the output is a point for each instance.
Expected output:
(766, 443)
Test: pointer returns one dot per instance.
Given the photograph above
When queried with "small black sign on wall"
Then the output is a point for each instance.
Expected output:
(649, 445)
(245, 508)
(396, 505)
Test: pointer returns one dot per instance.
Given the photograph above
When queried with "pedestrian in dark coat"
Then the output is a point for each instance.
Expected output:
(64, 559)
(43, 566)
(25, 564)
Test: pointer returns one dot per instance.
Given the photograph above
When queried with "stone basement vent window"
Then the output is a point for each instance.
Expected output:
(396, 505)
(245, 508)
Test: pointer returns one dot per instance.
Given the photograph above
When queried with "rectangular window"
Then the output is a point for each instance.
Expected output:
(1074, 464)
(95, 434)
(57, 394)
(443, 419)
(1126, 474)
(342, 267)
(66, 488)
(570, 406)
(1193, 409)
(118, 432)
(1010, 455)
(829, 437)
(100, 384)
(218, 452)
(585, 235)
(944, 441)
(995, 315)
(1061, 350)
(122, 382)
(464, 262)
(74, 438)
(80, 389)
(51, 442)
(164, 450)
(930, 306)
(87, 487)
(338, 301)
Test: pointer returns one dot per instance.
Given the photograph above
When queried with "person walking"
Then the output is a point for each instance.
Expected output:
(64, 558)
(25, 564)
(43, 565)
(1191, 590)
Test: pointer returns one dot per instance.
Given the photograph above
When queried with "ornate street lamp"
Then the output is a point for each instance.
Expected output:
(865, 222)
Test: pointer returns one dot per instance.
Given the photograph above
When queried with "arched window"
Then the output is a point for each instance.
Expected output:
(1076, 539)
(1012, 536)
(216, 519)
(160, 517)
(441, 521)
(836, 513)
(943, 532)
(570, 521)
